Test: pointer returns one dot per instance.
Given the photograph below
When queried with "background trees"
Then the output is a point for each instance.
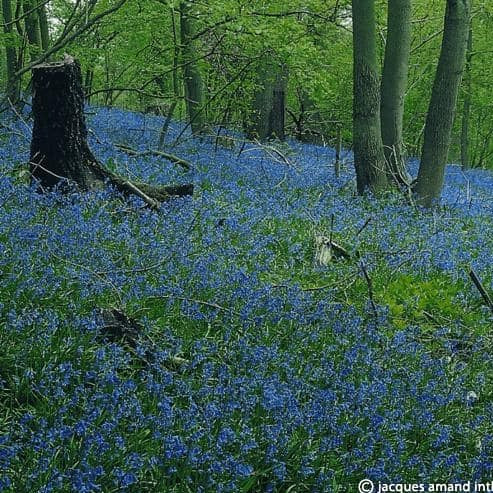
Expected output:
(222, 62)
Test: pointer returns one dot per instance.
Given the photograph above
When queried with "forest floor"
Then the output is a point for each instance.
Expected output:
(252, 366)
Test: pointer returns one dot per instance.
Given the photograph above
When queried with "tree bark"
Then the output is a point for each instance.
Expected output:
(194, 91)
(31, 21)
(393, 88)
(59, 149)
(269, 104)
(278, 110)
(43, 27)
(440, 117)
(176, 85)
(88, 80)
(12, 89)
(312, 128)
(466, 109)
(369, 158)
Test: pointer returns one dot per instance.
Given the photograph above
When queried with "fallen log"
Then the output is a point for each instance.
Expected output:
(59, 148)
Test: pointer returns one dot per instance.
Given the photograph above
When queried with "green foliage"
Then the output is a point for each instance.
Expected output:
(433, 301)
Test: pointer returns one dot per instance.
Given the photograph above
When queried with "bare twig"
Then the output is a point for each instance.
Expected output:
(42, 168)
(479, 285)
(331, 232)
(369, 283)
(88, 269)
(297, 13)
(236, 77)
(360, 230)
(209, 304)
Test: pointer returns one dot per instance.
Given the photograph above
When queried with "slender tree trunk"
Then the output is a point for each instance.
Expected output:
(59, 149)
(88, 79)
(12, 89)
(369, 158)
(18, 19)
(278, 110)
(194, 91)
(393, 88)
(258, 126)
(176, 85)
(32, 28)
(108, 95)
(337, 164)
(440, 117)
(269, 104)
(466, 109)
(43, 27)
(312, 128)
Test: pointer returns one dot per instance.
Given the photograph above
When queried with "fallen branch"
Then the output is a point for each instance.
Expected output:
(186, 165)
(153, 204)
(272, 151)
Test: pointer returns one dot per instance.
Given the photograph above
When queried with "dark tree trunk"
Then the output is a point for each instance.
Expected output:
(59, 148)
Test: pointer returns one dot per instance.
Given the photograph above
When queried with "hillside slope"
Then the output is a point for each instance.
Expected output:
(256, 369)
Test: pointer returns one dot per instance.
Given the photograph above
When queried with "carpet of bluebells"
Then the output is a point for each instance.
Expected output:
(268, 372)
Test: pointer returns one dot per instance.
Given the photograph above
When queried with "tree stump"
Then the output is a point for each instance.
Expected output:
(59, 148)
